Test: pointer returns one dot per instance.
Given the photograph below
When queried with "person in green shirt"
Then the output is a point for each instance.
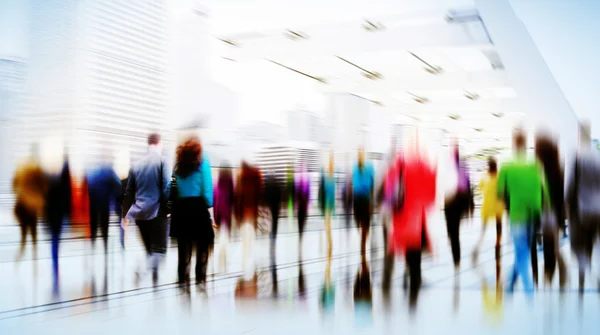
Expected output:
(521, 184)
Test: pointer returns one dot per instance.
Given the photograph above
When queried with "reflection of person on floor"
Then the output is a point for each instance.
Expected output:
(583, 201)
(223, 209)
(416, 178)
(521, 182)
(192, 195)
(362, 190)
(553, 219)
(29, 186)
(145, 201)
(328, 290)
(248, 191)
(458, 201)
(327, 200)
(491, 209)
(363, 296)
(302, 197)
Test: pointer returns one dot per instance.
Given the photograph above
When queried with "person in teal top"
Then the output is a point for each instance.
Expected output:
(327, 200)
(363, 181)
(521, 183)
(198, 183)
(192, 196)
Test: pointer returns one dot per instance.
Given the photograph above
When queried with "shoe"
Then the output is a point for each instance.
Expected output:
(201, 286)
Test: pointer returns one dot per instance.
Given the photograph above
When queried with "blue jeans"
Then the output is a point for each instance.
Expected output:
(521, 235)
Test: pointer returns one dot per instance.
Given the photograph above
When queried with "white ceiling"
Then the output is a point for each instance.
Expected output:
(462, 52)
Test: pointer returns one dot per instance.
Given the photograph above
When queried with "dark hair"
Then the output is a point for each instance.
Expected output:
(548, 155)
(153, 139)
(492, 165)
(189, 155)
(519, 138)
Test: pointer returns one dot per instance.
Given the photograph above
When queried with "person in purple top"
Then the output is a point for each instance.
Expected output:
(302, 195)
(457, 205)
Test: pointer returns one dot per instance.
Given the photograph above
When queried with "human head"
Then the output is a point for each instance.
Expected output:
(546, 150)
(331, 163)
(519, 140)
(492, 165)
(361, 156)
(189, 155)
(154, 139)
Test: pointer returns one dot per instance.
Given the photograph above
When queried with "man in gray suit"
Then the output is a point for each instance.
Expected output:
(145, 201)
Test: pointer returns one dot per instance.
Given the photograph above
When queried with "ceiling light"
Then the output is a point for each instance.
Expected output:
(373, 26)
(455, 117)
(418, 99)
(433, 69)
(498, 114)
(372, 75)
(294, 35)
(479, 130)
(229, 42)
(472, 96)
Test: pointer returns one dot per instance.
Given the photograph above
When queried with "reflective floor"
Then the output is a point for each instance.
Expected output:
(100, 295)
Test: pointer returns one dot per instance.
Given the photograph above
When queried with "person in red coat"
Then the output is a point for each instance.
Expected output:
(416, 179)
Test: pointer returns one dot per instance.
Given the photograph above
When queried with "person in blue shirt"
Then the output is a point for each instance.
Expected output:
(104, 187)
(192, 196)
(144, 202)
(363, 176)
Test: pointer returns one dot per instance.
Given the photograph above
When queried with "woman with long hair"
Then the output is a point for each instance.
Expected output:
(547, 153)
(223, 208)
(192, 196)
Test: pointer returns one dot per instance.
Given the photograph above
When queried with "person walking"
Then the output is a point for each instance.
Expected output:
(58, 207)
(103, 188)
(273, 198)
(458, 202)
(30, 187)
(521, 182)
(248, 192)
(192, 196)
(583, 202)
(491, 209)
(415, 194)
(362, 189)
(302, 198)
(145, 202)
(223, 209)
(553, 217)
(327, 200)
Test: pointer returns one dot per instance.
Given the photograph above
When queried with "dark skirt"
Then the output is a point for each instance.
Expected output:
(190, 218)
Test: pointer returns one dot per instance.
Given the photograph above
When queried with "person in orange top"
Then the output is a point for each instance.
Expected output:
(248, 193)
(30, 187)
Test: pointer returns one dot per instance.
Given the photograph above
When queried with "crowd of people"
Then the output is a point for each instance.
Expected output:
(176, 201)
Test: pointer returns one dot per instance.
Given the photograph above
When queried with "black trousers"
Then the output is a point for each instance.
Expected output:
(99, 214)
(362, 215)
(28, 223)
(154, 234)
(453, 227)
(413, 261)
(185, 248)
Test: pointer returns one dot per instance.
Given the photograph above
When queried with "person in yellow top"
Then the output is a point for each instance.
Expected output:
(492, 207)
